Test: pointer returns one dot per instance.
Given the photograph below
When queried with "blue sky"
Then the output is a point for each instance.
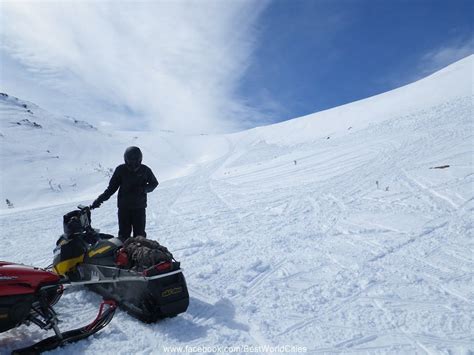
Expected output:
(315, 55)
(219, 66)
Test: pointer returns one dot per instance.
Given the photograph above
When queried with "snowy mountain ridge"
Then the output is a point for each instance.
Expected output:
(36, 149)
(346, 231)
(59, 158)
(454, 81)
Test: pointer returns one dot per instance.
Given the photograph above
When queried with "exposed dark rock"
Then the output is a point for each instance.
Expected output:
(9, 203)
(82, 124)
(28, 123)
(440, 167)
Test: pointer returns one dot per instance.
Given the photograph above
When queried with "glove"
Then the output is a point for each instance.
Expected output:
(96, 204)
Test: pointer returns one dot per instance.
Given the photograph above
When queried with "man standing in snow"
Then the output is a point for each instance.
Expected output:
(133, 180)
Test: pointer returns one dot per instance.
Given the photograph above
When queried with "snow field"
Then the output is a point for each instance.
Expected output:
(356, 244)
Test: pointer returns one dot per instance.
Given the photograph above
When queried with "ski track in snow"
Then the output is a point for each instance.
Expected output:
(313, 254)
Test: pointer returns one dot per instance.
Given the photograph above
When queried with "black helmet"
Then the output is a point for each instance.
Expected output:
(133, 158)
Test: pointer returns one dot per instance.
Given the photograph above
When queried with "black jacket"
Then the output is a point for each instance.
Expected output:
(132, 185)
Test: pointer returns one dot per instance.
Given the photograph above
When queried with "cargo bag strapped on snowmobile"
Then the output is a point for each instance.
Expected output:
(144, 253)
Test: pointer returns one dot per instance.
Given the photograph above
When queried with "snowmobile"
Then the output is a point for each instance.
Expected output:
(27, 295)
(139, 274)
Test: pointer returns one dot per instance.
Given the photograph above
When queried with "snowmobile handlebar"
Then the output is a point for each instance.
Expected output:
(84, 208)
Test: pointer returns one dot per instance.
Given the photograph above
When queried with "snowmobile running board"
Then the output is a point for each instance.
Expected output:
(122, 279)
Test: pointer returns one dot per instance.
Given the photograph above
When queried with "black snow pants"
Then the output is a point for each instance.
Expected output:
(131, 218)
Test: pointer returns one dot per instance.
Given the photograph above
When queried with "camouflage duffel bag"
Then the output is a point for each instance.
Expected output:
(143, 253)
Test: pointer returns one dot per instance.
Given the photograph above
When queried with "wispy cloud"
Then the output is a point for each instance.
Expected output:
(445, 55)
(428, 62)
(168, 64)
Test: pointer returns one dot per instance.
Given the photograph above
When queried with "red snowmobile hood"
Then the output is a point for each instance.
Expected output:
(18, 279)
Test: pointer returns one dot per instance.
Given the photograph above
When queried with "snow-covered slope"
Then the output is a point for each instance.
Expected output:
(48, 159)
(347, 231)
(441, 87)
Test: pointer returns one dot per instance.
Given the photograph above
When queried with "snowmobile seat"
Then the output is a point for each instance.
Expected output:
(105, 236)
(103, 252)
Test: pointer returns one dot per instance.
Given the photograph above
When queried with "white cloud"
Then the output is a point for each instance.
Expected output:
(429, 62)
(446, 55)
(168, 64)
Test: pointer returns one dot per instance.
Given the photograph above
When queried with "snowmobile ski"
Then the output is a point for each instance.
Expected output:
(105, 315)
(27, 296)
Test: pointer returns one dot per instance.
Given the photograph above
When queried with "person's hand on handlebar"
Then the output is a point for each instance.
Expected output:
(95, 204)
